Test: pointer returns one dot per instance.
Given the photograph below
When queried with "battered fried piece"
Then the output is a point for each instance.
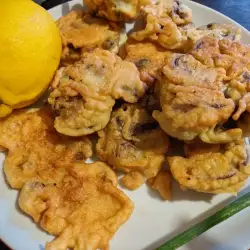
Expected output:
(213, 172)
(190, 35)
(234, 59)
(244, 105)
(83, 210)
(171, 33)
(115, 10)
(220, 135)
(161, 22)
(36, 149)
(162, 183)
(129, 143)
(169, 24)
(118, 10)
(219, 31)
(82, 32)
(238, 89)
(191, 100)
(180, 13)
(148, 57)
(84, 93)
(185, 70)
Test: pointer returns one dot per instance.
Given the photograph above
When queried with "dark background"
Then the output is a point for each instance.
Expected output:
(239, 10)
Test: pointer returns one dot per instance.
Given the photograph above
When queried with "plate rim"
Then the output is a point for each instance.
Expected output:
(217, 12)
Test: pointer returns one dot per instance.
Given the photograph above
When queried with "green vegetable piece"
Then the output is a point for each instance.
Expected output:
(196, 230)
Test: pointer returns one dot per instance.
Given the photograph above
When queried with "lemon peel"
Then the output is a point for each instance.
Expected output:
(5, 110)
(30, 52)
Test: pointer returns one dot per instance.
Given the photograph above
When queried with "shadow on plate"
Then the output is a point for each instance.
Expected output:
(179, 194)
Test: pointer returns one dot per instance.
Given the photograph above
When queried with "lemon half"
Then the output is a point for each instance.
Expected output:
(30, 51)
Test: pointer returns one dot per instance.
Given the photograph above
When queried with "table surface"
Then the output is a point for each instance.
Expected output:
(236, 9)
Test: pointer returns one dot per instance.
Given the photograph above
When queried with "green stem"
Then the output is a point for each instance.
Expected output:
(228, 211)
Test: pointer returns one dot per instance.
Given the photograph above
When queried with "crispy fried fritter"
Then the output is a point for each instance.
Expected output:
(239, 87)
(220, 135)
(180, 13)
(148, 57)
(84, 93)
(114, 10)
(234, 59)
(169, 24)
(36, 149)
(128, 144)
(219, 31)
(213, 172)
(162, 182)
(118, 10)
(192, 101)
(82, 32)
(244, 105)
(185, 71)
(161, 24)
(83, 209)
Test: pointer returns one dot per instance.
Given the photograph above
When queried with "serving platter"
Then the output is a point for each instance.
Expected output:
(153, 221)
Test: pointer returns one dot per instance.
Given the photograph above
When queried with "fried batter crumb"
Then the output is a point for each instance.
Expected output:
(162, 183)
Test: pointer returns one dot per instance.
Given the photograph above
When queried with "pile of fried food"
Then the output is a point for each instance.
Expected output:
(168, 81)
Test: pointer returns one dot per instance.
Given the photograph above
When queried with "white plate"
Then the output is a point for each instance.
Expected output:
(153, 221)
